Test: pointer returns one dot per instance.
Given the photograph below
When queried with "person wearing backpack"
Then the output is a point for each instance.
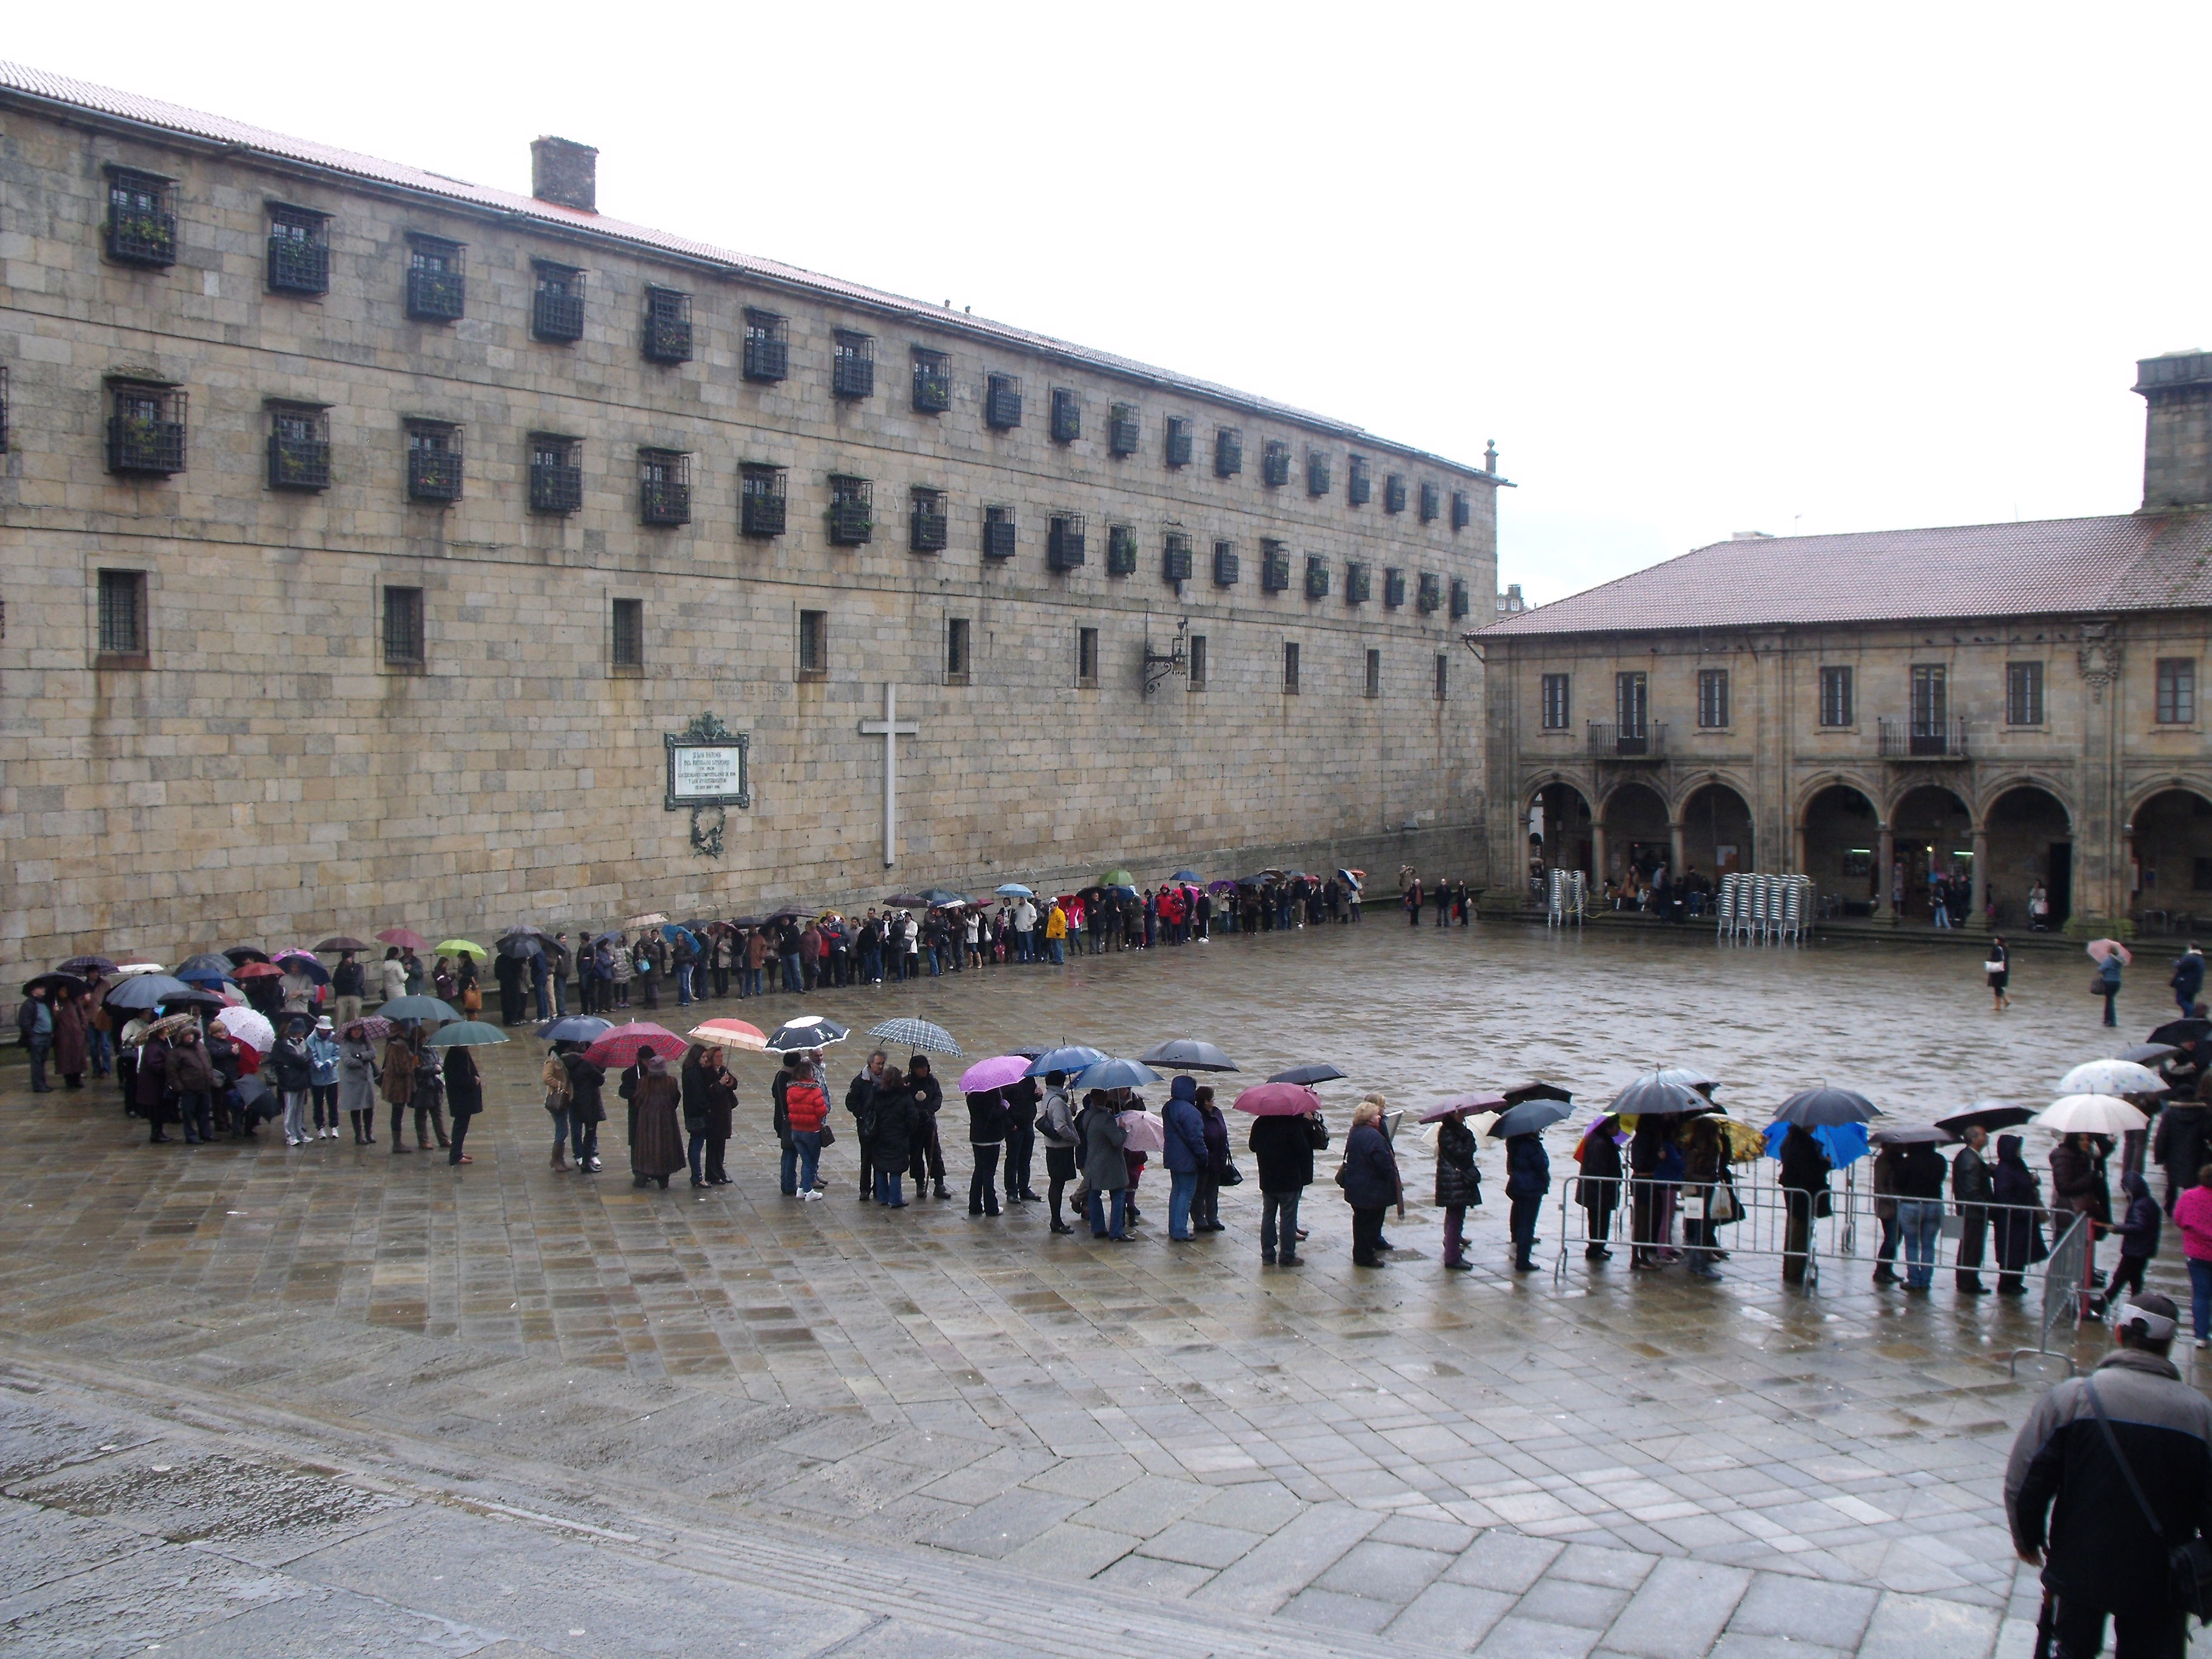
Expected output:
(2109, 1491)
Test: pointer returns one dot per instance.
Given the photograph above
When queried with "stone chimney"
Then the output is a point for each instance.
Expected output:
(2178, 429)
(565, 174)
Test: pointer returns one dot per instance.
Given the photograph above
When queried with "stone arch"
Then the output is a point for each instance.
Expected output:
(1635, 822)
(1864, 787)
(2027, 843)
(1557, 825)
(1932, 835)
(1840, 843)
(2170, 844)
(1717, 828)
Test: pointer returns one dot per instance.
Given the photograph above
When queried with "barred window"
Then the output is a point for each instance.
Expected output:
(1836, 700)
(1462, 510)
(1121, 550)
(1124, 429)
(1316, 576)
(932, 382)
(1178, 441)
(1356, 489)
(1228, 452)
(556, 473)
(927, 527)
(626, 636)
(1064, 541)
(998, 539)
(1317, 477)
(402, 628)
(1394, 587)
(298, 249)
(1712, 698)
(1555, 703)
(767, 346)
(556, 310)
(1274, 567)
(664, 486)
(958, 655)
(1358, 585)
(299, 446)
(853, 365)
(1275, 463)
(1067, 415)
(2177, 692)
(813, 645)
(1431, 500)
(2023, 694)
(145, 429)
(761, 501)
(667, 326)
(433, 461)
(1002, 402)
(1225, 570)
(1393, 493)
(1373, 673)
(851, 511)
(142, 218)
(437, 280)
(1175, 559)
(123, 614)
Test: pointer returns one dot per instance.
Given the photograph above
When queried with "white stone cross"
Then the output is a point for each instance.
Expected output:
(890, 729)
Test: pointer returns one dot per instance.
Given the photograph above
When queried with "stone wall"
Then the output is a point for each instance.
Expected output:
(264, 776)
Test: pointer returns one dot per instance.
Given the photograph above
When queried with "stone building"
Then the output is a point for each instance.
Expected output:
(370, 535)
(2006, 704)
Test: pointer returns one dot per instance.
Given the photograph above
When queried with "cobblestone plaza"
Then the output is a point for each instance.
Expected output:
(330, 1400)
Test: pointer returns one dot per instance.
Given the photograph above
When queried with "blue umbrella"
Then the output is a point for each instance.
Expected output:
(1071, 1059)
(1015, 890)
(671, 932)
(417, 1008)
(575, 1028)
(144, 991)
(1845, 1143)
(1115, 1074)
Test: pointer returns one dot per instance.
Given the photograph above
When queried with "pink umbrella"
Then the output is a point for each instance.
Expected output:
(995, 1073)
(2099, 949)
(1146, 1133)
(1459, 1104)
(622, 1045)
(1278, 1100)
(405, 938)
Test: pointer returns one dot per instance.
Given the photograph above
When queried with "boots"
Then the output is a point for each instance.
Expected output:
(560, 1163)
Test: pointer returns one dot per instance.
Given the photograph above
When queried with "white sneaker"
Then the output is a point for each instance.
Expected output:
(811, 1196)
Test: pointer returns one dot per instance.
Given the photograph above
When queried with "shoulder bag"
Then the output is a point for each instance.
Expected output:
(2188, 1565)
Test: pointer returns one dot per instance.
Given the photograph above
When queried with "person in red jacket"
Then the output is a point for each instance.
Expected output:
(806, 1108)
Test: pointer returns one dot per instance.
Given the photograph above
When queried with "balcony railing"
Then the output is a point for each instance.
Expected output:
(1921, 739)
(298, 267)
(435, 297)
(433, 475)
(664, 501)
(138, 445)
(554, 487)
(299, 463)
(1610, 742)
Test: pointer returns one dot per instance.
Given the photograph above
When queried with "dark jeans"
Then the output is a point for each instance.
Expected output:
(2109, 996)
(1279, 1222)
(1205, 1210)
(1597, 1222)
(1885, 1255)
(1521, 1216)
(326, 1105)
(197, 1112)
(1182, 1190)
(695, 1148)
(1454, 1233)
(887, 1190)
(1099, 1224)
(1973, 1233)
(716, 1174)
(983, 1185)
(1366, 1236)
(928, 1154)
(460, 1134)
(1020, 1143)
(40, 1047)
(2200, 1296)
(1059, 1165)
(800, 1158)
(583, 1138)
(2080, 1632)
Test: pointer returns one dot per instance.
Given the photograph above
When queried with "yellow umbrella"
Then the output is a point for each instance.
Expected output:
(461, 947)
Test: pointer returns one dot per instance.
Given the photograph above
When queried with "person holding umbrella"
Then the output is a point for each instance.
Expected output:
(1972, 1188)
(2188, 978)
(72, 1036)
(1184, 1154)
(925, 1098)
(1528, 1178)
(1206, 1211)
(656, 1148)
(191, 1077)
(1805, 1192)
(2107, 983)
(2018, 1227)
(1459, 1186)
(348, 986)
(1063, 1142)
(292, 1075)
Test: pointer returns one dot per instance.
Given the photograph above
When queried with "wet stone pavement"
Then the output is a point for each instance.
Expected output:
(503, 1410)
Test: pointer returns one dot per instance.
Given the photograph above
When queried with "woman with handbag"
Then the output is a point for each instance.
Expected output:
(1220, 1170)
(1998, 968)
(467, 983)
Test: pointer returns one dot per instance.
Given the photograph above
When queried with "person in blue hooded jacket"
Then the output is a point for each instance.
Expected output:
(1185, 1154)
(1528, 1178)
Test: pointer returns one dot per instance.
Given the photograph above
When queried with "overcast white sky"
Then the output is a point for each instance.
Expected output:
(1696, 269)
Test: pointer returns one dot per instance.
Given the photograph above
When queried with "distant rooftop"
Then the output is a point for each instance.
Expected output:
(2127, 562)
(28, 84)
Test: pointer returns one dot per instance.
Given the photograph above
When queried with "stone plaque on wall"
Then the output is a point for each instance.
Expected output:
(709, 765)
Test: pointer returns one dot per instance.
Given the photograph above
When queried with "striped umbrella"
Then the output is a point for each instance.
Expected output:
(918, 1035)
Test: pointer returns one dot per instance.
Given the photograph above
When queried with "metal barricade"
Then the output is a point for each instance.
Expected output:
(2066, 1282)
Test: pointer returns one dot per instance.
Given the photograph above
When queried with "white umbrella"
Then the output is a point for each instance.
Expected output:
(2112, 1077)
(2091, 1115)
(1147, 1133)
(248, 1027)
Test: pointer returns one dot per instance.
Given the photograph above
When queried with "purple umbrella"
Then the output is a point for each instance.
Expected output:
(986, 1075)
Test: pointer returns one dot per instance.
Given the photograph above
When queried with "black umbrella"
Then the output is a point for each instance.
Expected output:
(56, 983)
(1815, 1107)
(699, 925)
(342, 942)
(142, 992)
(256, 1101)
(2183, 1033)
(1988, 1116)
(1529, 1117)
(1312, 1073)
(1188, 1055)
(206, 965)
(520, 946)
(240, 955)
(749, 921)
(1925, 1134)
(85, 965)
(1513, 1093)
(2142, 1054)
(1654, 1095)
(192, 999)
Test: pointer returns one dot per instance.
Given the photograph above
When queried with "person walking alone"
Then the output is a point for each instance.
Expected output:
(1998, 968)
(2107, 985)
(2188, 978)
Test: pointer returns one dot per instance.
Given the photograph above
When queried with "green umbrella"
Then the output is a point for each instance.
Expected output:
(466, 1034)
(461, 947)
(1117, 879)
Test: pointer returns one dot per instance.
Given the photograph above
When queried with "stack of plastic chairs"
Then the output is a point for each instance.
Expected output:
(1796, 897)
(1564, 901)
(1724, 903)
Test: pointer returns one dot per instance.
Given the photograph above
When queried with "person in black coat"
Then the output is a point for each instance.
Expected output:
(987, 1137)
(860, 1101)
(1804, 1191)
(891, 1136)
(1369, 1180)
(1599, 1190)
(1459, 1184)
(2018, 1228)
(693, 1083)
(926, 1098)
(1022, 1100)
(463, 1097)
(2180, 1143)
(586, 1108)
(719, 1095)
(1528, 1178)
(1284, 1149)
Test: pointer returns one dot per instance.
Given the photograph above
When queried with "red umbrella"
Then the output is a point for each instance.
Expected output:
(622, 1045)
(261, 970)
(407, 940)
(1461, 1103)
(1278, 1100)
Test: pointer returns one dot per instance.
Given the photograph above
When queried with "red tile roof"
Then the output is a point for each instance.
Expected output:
(2127, 562)
(34, 84)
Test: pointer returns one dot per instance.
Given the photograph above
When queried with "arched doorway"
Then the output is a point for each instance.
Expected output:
(2172, 875)
(2028, 842)
(1716, 833)
(1559, 830)
(1843, 844)
(1934, 836)
(1636, 832)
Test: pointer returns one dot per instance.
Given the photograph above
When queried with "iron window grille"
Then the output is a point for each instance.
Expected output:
(1835, 698)
(2177, 692)
(1429, 503)
(556, 311)
(1175, 559)
(998, 532)
(959, 659)
(1556, 702)
(1067, 415)
(667, 326)
(1196, 672)
(851, 511)
(556, 473)
(1002, 403)
(1317, 478)
(1228, 452)
(664, 486)
(1178, 441)
(1358, 583)
(1713, 699)
(1289, 666)
(626, 636)
(1429, 597)
(1316, 576)
(1443, 678)
(146, 429)
(814, 645)
(1064, 543)
(1394, 587)
(1225, 570)
(142, 218)
(298, 249)
(851, 365)
(1356, 489)
(123, 615)
(1124, 431)
(933, 383)
(1120, 550)
(928, 530)
(1275, 463)
(1274, 567)
(437, 280)
(767, 346)
(2023, 694)
(1462, 510)
(1462, 601)
(299, 446)
(1394, 492)
(434, 462)
(761, 501)
(1373, 673)
(402, 628)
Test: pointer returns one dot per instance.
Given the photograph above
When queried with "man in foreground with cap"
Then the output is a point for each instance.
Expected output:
(2126, 1453)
